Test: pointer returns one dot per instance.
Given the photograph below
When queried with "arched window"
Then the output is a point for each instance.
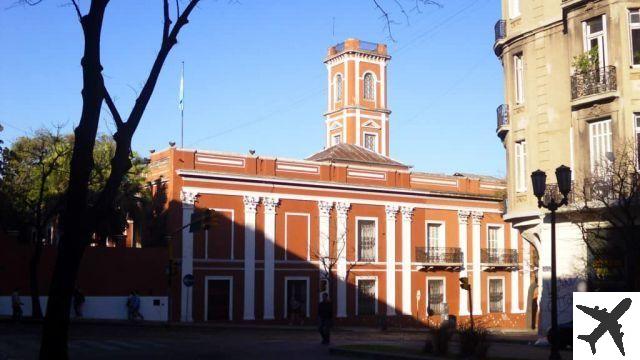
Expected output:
(369, 87)
(338, 87)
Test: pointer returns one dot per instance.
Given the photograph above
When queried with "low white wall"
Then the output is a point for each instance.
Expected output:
(100, 307)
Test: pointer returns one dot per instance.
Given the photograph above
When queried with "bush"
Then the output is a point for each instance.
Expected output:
(474, 342)
(440, 337)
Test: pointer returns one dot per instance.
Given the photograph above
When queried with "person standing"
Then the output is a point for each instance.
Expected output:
(16, 305)
(78, 302)
(325, 314)
(133, 306)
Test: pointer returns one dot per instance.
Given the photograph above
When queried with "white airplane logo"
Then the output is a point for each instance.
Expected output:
(608, 322)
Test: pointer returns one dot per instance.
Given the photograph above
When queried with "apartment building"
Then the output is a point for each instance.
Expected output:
(572, 97)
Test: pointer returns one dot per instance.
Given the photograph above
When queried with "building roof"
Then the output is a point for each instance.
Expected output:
(344, 152)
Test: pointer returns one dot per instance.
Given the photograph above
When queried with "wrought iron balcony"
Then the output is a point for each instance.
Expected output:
(499, 258)
(500, 29)
(502, 116)
(593, 82)
(440, 257)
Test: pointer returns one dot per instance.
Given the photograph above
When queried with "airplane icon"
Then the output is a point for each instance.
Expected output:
(608, 322)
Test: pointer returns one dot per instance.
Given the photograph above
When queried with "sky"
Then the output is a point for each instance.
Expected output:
(254, 77)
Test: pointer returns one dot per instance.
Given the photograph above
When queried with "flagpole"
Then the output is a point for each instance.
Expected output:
(182, 108)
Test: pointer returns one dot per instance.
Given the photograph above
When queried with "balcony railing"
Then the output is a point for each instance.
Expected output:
(593, 82)
(499, 257)
(439, 256)
(553, 193)
(500, 29)
(502, 115)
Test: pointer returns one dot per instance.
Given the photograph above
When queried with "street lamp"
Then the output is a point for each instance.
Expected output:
(539, 180)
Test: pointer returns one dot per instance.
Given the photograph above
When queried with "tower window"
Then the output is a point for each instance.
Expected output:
(369, 87)
(371, 142)
(336, 139)
(338, 87)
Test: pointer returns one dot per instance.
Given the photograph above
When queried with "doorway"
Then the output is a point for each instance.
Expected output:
(296, 296)
(219, 298)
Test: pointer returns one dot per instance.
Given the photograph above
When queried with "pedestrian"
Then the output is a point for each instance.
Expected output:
(16, 305)
(78, 302)
(325, 314)
(295, 308)
(133, 306)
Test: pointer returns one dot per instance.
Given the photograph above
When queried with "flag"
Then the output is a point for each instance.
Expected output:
(181, 96)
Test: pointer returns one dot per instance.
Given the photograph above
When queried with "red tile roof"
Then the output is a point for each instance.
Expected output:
(347, 153)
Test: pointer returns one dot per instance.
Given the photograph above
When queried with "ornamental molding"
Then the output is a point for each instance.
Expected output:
(407, 213)
(270, 204)
(342, 208)
(476, 217)
(250, 203)
(325, 207)
(463, 216)
(391, 211)
(189, 197)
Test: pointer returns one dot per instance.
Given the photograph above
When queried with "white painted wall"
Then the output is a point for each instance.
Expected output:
(99, 307)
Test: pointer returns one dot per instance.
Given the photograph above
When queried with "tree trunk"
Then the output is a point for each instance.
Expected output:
(75, 218)
(34, 265)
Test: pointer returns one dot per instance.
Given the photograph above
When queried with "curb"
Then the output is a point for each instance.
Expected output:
(363, 354)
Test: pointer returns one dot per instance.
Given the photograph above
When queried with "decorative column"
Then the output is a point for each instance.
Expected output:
(407, 215)
(250, 204)
(270, 205)
(515, 281)
(391, 211)
(186, 304)
(463, 220)
(341, 252)
(476, 287)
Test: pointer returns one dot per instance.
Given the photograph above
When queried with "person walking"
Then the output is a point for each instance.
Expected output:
(133, 307)
(16, 305)
(325, 314)
(78, 302)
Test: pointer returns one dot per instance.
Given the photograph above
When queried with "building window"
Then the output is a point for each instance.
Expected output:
(338, 87)
(600, 145)
(366, 293)
(518, 67)
(636, 118)
(367, 238)
(435, 235)
(493, 238)
(369, 87)
(594, 31)
(496, 296)
(371, 142)
(634, 29)
(514, 8)
(521, 166)
(336, 139)
(435, 297)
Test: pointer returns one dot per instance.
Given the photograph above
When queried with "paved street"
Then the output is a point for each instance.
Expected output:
(116, 341)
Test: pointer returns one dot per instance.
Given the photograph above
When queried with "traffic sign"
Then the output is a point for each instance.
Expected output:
(187, 280)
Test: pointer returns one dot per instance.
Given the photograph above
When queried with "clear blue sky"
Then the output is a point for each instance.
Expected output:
(255, 77)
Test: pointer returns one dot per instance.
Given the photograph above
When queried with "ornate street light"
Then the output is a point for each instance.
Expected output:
(539, 182)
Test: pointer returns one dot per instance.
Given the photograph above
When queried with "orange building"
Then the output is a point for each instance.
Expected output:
(349, 220)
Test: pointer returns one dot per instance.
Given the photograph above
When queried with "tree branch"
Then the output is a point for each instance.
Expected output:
(112, 108)
(75, 5)
(167, 21)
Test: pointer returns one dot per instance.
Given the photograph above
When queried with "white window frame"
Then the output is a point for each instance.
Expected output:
(633, 26)
(375, 302)
(444, 289)
(375, 143)
(514, 9)
(286, 217)
(233, 229)
(504, 294)
(636, 122)
(206, 294)
(374, 93)
(520, 165)
(286, 295)
(336, 139)
(500, 240)
(337, 98)
(518, 78)
(594, 146)
(375, 221)
(442, 238)
(601, 36)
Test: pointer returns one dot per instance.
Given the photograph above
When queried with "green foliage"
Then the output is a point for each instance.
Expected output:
(586, 61)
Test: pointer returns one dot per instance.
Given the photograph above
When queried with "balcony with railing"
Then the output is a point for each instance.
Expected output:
(593, 82)
(358, 45)
(500, 30)
(447, 258)
(502, 116)
(499, 259)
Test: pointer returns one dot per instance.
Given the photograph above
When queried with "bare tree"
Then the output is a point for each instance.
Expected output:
(607, 212)
(390, 20)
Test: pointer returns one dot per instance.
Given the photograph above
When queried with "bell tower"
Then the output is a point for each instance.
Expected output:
(357, 111)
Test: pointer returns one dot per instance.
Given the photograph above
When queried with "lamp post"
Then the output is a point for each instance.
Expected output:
(539, 179)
